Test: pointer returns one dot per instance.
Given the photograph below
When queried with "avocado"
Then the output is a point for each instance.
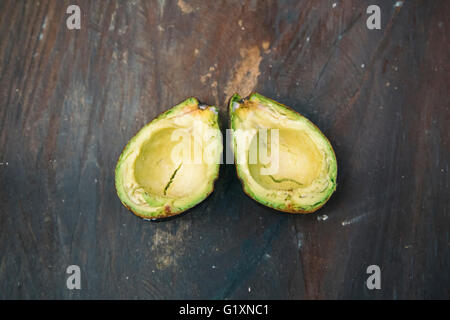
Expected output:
(282, 159)
(171, 164)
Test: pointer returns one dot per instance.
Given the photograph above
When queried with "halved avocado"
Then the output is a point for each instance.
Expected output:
(171, 164)
(282, 159)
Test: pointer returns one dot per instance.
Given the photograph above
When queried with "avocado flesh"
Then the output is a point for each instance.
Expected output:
(171, 164)
(304, 176)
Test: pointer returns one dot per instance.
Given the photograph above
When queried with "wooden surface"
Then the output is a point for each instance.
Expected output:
(70, 100)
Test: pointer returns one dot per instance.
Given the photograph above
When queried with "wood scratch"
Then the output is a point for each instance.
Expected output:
(354, 220)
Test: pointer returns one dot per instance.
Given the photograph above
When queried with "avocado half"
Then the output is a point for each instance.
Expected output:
(171, 164)
(282, 159)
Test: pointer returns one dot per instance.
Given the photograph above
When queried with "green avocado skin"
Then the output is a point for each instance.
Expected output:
(256, 97)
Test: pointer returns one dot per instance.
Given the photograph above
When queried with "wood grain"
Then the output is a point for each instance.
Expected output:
(70, 100)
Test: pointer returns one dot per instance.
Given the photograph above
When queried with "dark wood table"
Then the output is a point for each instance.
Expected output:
(71, 99)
